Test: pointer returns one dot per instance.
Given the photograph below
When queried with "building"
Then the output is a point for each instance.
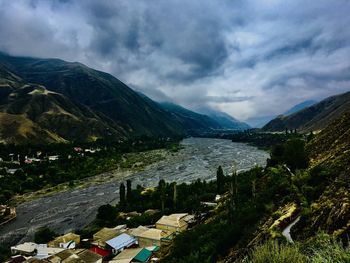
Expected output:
(88, 256)
(43, 251)
(76, 256)
(100, 237)
(174, 223)
(153, 237)
(69, 240)
(27, 248)
(121, 242)
(132, 255)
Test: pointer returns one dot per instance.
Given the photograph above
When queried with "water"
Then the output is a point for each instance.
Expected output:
(74, 209)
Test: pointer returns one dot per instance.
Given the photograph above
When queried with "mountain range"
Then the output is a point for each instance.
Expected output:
(51, 100)
(314, 117)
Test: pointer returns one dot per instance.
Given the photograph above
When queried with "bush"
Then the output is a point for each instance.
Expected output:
(44, 235)
(272, 252)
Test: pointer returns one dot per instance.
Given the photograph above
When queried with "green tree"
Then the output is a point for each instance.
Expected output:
(128, 190)
(122, 193)
(220, 180)
(44, 235)
(161, 189)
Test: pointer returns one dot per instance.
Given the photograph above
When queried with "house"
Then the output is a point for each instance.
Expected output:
(136, 232)
(174, 223)
(100, 237)
(101, 251)
(153, 237)
(132, 255)
(121, 242)
(89, 257)
(27, 248)
(69, 240)
(43, 251)
(79, 256)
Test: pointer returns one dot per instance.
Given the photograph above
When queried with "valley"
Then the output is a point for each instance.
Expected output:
(198, 158)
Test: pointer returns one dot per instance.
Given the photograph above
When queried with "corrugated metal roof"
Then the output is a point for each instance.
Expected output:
(143, 255)
(121, 241)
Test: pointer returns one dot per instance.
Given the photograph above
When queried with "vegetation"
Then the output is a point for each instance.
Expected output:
(71, 165)
(44, 235)
(321, 249)
(262, 139)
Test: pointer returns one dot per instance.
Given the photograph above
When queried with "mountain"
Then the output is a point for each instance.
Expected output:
(93, 98)
(224, 120)
(299, 107)
(258, 122)
(315, 117)
(189, 120)
(56, 114)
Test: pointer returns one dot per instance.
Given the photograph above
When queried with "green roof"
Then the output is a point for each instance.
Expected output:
(143, 255)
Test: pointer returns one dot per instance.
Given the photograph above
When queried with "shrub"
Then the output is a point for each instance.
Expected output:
(272, 252)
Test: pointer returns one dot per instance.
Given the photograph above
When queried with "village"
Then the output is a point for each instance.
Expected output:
(116, 245)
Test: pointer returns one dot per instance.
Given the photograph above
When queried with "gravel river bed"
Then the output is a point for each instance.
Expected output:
(75, 208)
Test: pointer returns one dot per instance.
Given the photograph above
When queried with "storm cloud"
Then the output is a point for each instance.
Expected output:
(247, 58)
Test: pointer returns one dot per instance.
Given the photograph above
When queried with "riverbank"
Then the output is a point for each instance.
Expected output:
(74, 208)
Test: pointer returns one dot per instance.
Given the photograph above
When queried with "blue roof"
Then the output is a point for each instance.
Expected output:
(121, 241)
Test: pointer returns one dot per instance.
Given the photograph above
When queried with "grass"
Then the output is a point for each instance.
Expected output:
(320, 249)
(273, 252)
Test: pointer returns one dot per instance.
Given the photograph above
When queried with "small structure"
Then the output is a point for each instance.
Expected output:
(121, 242)
(174, 223)
(101, 251)
(132, 255)
(153, 237)
(69, 240)
(53, 158)
(88, 256)
(27, 249)
(43, 251)
(79, 256)
(100, 237)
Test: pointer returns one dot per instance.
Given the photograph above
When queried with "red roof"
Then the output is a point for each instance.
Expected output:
(100, 251)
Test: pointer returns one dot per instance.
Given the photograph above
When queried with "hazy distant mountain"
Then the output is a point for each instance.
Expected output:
(224, 120)
(258, 122)
(314, 117)
(299, 107)
(190, 120)
(81, 92)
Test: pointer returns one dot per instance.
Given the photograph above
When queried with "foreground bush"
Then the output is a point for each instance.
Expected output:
(272, 252)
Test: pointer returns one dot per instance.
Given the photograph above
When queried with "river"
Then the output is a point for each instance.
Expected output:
(74, 209)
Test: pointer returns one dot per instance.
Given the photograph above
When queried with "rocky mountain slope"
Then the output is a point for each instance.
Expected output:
(315, 117)
(100, 94)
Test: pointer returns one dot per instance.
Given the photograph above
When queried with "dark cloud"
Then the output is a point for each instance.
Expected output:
(248, 58)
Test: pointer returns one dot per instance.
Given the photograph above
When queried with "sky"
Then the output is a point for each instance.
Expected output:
(249, 58)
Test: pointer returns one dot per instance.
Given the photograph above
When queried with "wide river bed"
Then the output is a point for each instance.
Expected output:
(74, 209)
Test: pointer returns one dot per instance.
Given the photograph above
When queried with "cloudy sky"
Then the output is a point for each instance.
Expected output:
(247, 58)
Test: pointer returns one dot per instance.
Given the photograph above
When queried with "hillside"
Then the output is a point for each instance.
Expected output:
(315, 117)
(99, 91)
(16, 129)
(299, 107)
(56, 113)
(191, 121)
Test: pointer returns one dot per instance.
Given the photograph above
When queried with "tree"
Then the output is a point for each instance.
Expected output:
(220, 180)
(44, 235)
(128, 190)
(107, 213)
(175, 195)
(295, 155)
(161, 189)
(122, 193)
